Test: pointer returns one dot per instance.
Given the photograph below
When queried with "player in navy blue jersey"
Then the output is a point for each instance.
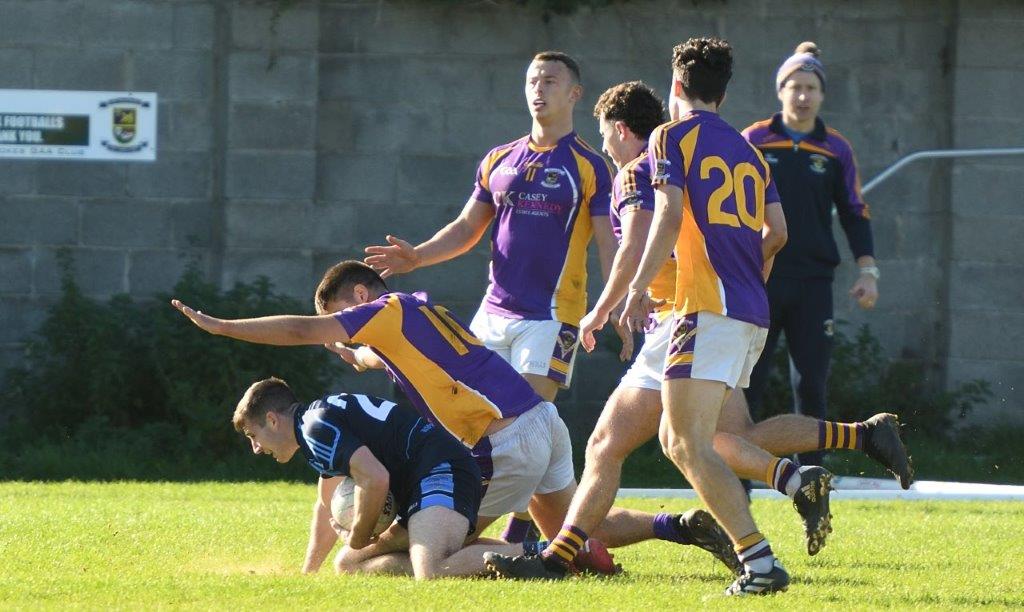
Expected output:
(383, 447)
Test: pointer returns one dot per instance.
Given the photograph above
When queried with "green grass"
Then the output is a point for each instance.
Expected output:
(223, 545)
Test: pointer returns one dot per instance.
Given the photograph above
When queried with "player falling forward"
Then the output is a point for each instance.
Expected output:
(383, 447)
(628, 113)
(518, 440)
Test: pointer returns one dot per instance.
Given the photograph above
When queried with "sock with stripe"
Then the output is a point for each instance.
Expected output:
(849, 436)
(515, 530)
(564, 548)
(755, 553)
(783, 476)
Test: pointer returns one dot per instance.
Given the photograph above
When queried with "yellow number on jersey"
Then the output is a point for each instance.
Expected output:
(734, 183)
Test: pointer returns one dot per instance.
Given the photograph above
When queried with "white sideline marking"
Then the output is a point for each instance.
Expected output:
(871, 488)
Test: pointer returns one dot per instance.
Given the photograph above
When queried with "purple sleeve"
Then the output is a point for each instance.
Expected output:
(481, 188)
(853, 213)
(600, 203)
(849, 188)
(355, 318)
(665, 160)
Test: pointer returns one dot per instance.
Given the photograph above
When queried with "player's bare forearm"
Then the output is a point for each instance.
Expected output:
(322, 538)
(280, 330)
(371, 492)
(635, 228)
(668, 217)
(457, 237)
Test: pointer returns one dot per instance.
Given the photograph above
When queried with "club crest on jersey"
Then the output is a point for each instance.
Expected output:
(551, 176)
(661, 169)
(818, 163)
(566, 343)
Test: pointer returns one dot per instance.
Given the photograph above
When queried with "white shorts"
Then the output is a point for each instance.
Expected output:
(649, 366)
(709, 346)
(532, 455)
(545, 348)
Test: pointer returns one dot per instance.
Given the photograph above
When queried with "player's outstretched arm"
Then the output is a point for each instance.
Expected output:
(280, 330)
(668, 217)
(371, 491)
(454, 239)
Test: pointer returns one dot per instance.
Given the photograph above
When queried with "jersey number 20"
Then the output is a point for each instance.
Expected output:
(734, 183)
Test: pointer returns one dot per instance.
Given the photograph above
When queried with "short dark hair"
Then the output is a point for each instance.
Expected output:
(267, 395)
(704, 67)
(559, 56)
(633, 103)
(343, 276)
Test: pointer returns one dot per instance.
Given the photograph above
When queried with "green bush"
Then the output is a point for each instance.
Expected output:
(139, 379)
(863, 381)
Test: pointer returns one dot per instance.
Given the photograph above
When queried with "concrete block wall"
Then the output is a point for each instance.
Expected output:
(985, 300)
(294, 133)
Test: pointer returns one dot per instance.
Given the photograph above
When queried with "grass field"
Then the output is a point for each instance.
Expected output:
(221, 545)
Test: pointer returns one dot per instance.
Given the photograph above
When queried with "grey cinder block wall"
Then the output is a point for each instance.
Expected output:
(292, 133)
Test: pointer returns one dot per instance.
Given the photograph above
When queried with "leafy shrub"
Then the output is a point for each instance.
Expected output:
(139, 377)
(863, 381)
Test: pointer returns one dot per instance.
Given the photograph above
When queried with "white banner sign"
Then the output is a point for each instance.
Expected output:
(108, 125)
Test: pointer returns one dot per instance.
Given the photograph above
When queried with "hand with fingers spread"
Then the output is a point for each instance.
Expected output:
(202, 321)
(398, 257)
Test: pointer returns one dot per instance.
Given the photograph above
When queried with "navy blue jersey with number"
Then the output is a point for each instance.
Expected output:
(331, 429)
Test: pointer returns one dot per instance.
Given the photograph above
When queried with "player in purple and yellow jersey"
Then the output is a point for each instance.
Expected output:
(518, 440)
(714, 198)
(628, 113)
(547, 194)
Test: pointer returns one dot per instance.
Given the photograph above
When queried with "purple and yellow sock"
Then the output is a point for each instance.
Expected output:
(778, 474)
(841, 435)
(515, 530)
(566, 545)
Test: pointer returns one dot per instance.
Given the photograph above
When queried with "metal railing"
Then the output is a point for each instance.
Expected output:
(935, 154)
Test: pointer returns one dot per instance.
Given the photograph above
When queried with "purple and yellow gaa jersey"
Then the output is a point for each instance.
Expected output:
(450, 377)
(631, 191)
(726, 185)
(544, 198)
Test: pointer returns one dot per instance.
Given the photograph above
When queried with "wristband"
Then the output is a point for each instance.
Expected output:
(871, 271)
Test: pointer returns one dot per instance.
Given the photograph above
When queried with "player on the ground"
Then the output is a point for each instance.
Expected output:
(519, 441)
(628, 113)
(383, 447)
(714, 198)
(547, 194)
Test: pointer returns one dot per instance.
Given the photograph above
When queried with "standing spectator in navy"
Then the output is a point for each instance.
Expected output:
(815, 171)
